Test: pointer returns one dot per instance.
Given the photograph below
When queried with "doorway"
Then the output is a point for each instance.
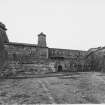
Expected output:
(60, 68)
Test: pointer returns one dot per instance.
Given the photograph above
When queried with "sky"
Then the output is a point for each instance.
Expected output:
(68, 24)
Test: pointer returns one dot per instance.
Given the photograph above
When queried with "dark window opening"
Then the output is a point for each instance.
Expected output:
(60, 68)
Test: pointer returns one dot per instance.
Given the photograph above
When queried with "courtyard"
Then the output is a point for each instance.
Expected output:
(71, 88)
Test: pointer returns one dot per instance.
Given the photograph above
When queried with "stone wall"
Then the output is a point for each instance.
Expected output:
(70, 60)
(32, 59)
(95, 60)
(38, 67)
(54, 52)
(68, 65)
(18, 50)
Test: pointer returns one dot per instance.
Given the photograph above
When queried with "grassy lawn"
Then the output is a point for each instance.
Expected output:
(69, 89)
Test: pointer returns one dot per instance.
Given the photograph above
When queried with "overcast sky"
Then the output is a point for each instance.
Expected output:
(68, 24)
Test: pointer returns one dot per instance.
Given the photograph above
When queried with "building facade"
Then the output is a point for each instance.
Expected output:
(39, 58)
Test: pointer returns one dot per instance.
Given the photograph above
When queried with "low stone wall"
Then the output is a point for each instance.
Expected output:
(15, 68)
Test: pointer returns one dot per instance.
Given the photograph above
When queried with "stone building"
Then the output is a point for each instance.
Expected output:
(38, 58)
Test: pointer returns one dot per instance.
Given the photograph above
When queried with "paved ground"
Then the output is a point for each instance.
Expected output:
(68, 89)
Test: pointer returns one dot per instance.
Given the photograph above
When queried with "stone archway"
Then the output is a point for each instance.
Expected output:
(59, 69)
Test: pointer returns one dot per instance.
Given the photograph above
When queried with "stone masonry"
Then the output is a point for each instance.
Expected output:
(38, 58)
